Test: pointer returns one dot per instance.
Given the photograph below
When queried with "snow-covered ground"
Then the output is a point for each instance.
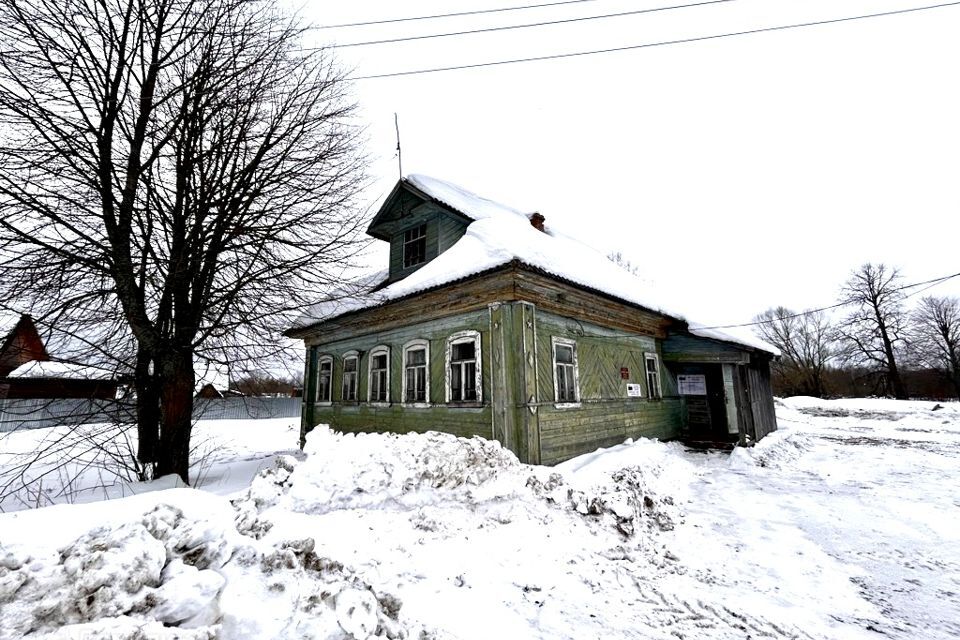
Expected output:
(843, 524)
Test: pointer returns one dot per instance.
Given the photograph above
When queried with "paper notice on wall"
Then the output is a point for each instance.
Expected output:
(634, 391)
(692, 385)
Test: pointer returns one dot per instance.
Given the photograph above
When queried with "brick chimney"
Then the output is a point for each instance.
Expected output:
(536, 221)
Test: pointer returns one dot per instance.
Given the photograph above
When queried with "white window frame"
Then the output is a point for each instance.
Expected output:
(462, 337)
(554, 342)
(316, 394)
(646, 376)
(377, 351)
(355, 355)
(409, 346)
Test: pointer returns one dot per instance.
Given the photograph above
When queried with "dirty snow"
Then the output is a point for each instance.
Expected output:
(842, 524)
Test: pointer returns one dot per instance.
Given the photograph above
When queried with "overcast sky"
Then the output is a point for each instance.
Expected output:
(739, 173)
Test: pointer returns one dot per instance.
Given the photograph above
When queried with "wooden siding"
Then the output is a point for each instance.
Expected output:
(449, 302)
(605, 416)
(428, 215)
(449, 230)
(364, 416)
(561, 298)
(760, 393)
(21, 345)
(511, 283)
(565, 433)
(689, 348)
(601, 354)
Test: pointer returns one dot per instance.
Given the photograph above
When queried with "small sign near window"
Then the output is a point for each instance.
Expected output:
(692, 385)
(624, 373)
(634, 391)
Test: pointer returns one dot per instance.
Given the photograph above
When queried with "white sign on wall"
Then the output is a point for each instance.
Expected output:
(634, 391)
(692, 385)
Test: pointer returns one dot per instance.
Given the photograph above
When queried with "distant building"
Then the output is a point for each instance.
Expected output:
(489, 322)
(28, 371)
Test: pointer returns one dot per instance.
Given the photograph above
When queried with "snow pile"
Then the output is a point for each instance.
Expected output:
(632, 487)
(369, 470)
(163, 569)
(776, 450)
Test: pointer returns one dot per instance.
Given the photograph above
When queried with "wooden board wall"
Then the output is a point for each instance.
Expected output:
(362, 416)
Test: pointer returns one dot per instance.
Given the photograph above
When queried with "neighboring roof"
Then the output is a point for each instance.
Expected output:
(498, 236)
(48, 369)
(8, 320)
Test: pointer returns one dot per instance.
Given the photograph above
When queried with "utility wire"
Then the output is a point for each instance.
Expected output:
(656, 44)
(450, 15)
(530, 24)
(931, 283)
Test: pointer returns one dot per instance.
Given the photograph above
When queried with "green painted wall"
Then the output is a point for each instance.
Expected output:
(518, 407)
(605, 415)
(397, 417)
(443, 230)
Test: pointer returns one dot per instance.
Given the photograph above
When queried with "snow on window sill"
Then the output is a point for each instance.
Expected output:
(567, 405)
(417, 405)
(380, 404)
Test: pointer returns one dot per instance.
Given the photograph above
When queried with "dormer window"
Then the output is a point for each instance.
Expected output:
(414, 246)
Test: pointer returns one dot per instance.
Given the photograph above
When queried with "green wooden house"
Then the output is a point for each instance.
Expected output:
(490, 323)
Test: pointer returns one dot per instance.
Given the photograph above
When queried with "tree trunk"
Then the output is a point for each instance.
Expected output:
(148, 408)
(176, 412)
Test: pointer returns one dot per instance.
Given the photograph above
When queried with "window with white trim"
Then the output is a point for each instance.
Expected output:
(414, 246)
(652, 364)
(324, 378)
(416, 375)
(379, 376)
(565, 376)
(463, 367)
(351, 362)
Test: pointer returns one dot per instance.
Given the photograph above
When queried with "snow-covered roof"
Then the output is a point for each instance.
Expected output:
(498, 236)
(8, 320)
(48, 369)
(459, 199)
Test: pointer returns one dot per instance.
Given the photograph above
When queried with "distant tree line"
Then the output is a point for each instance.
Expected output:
(876, 344)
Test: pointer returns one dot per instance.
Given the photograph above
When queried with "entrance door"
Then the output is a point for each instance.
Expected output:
(704, 402)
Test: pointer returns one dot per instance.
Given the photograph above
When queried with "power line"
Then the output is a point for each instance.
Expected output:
(931, 283)
(655, 44)
(450, 15)
(529, 24)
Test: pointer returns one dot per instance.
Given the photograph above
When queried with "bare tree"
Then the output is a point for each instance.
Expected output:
(805, 342)
(936, 331)
(186, 168)
(875, 332)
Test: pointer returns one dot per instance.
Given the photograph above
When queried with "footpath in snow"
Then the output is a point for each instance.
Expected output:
(842, 524)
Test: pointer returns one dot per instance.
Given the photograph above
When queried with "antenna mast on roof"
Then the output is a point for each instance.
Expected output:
(396, 124)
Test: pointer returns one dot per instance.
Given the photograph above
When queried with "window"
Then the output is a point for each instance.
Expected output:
(565, 371)
(414, 246)
(324, 378)
(653, 375)
(350, 361)
(379, 390)
(463, 367)
(416, 378)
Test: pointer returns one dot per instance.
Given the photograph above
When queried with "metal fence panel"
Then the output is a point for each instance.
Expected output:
(40, 413)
